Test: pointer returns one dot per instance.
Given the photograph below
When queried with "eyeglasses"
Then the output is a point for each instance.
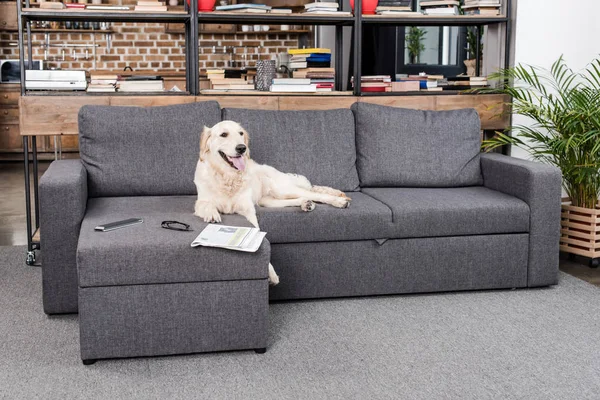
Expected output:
(175, 226)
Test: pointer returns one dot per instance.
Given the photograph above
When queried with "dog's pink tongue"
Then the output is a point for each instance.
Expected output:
(239, 163)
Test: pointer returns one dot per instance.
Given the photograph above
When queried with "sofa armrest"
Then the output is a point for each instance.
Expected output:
(539, 185)
(63, 200)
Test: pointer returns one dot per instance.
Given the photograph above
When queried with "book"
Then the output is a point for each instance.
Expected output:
(291, 81)
(295, 65)
(230, 237)
(75, 5)
(150, 8)
(441, 11)
(328, 4)
(337, 13)
(281, 11)
(434, 3)
(150, 3)
(492, 12)
(48, 5)
(392, 8)
(401, 13)
(233, 86)
(238, 7)
(228, 81)
(105, 7)
(309, 51)
(405, 86)
(310, 88)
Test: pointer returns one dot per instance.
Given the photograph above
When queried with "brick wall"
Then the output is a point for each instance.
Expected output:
(149, 47)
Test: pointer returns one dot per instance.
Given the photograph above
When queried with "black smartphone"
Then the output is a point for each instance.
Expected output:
(111, 226)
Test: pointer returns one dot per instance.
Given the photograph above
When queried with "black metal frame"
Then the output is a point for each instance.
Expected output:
(191, 19)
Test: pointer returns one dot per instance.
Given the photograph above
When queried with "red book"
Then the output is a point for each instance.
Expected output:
(75, 5)
(372, 89)
(324, 85)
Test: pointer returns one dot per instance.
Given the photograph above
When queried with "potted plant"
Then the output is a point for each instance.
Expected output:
(414, 43)
(471, 48)
(563, 107)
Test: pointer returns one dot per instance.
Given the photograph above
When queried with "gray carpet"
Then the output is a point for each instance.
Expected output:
(523, 344)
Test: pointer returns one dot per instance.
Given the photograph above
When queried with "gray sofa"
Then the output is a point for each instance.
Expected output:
(429, 212)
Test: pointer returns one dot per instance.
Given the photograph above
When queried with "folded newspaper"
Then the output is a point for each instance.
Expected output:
(230, 237)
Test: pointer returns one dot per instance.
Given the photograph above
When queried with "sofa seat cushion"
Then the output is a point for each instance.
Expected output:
(148, 254)
(143, 151)
(366, 218)
(398, 147)
(423, 212)
(317, 144)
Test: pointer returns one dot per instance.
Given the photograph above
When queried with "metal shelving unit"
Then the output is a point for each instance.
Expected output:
(26, 15)
(192, 18)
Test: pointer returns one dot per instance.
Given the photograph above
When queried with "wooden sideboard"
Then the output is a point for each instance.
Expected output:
(57, 115)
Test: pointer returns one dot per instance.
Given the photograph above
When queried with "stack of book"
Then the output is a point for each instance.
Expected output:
(218, 80)
(463, 82)
(478, 81)
(102, 83)
(482, 7)
(293, 85)
(142, 84)
(324, 7)
(245, 8)
(440, 7)
(395, 7)
(409, 83)
(375, 83)
(150, 5)
(313, 64)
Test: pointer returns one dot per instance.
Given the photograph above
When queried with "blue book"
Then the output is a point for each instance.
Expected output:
(242, 6)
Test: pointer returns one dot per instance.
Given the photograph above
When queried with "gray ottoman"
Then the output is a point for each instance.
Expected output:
(143, 291)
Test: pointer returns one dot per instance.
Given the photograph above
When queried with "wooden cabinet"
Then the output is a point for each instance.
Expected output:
(8, 15)
(10, 139)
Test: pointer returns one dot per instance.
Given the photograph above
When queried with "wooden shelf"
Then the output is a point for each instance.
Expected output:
(273, 32)
(83, 93)
(36, 14)
(63, 30)
(274, 19)
(216, 92)
(434, 20)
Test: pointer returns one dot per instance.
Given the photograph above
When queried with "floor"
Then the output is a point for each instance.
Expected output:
(13, 231)
(483, 345)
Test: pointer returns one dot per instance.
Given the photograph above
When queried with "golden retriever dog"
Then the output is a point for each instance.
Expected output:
(230, 182)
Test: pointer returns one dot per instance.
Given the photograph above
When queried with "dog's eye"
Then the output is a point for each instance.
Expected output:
(241, 133)
(224, 134)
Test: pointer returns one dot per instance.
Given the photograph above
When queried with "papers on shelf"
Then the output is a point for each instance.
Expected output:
(230, 237)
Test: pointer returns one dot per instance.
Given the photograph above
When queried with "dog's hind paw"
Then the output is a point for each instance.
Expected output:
(341, 202)
(308, 205)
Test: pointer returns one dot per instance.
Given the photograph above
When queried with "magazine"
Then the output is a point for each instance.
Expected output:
(230, 237)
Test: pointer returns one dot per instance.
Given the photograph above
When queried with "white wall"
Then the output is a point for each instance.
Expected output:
(545, 29)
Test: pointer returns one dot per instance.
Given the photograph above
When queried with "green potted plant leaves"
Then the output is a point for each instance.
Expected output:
(414, 43)
(563, 108)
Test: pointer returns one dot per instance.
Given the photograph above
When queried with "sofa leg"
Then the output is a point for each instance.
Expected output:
(571, 257)
(262, 350)
(89, 362)
(594, 262)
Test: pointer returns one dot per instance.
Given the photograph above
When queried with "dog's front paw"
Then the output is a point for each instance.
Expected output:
(341, 202)
(308, 205)
(208, 213)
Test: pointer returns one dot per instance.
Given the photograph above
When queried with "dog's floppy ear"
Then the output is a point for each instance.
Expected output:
(204, 136)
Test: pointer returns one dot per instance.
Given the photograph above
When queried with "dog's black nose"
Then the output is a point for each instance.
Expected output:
(240, 148)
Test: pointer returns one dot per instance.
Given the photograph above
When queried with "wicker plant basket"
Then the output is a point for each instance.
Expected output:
(580, 231)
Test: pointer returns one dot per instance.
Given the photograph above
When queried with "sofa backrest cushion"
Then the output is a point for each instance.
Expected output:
(141, 151)
(317, 144)
(413, 148)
